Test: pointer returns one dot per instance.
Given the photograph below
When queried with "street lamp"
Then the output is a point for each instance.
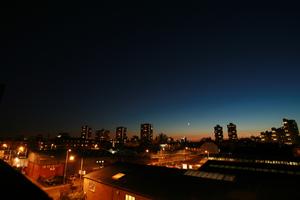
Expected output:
(81, 172)
(207, 152)
(21, 149)
(66, 163)
(72, 158)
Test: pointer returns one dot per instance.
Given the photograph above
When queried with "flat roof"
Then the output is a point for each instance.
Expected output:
(158, 182)
(166, 183)
(256, 168)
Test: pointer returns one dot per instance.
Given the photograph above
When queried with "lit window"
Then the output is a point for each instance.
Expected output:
(129, 197)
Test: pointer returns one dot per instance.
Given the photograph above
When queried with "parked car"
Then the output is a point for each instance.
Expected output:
(56, 180)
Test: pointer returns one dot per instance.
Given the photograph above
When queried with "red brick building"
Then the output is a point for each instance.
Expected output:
(43, 166)
(96, 190)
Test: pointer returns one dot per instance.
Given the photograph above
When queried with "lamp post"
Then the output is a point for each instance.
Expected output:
(21, 149)
(4, 146)
(207, 152)
(80, 175)
(66, 163)
(81, 168)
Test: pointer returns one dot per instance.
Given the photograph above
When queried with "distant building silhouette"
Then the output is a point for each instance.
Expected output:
(266, 136)
(183, 140)
(232, 133)
(291, 131)
(134, 139)
(121, 134)
(277, 135)
(218, 130)
(146, 133)
(86, 132)
(287, 134)
(102, 135)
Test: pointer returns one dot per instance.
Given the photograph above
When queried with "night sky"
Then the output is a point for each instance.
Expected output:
(65, 65)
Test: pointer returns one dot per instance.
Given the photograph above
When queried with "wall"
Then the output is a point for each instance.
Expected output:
(99, 191)
(35, 170)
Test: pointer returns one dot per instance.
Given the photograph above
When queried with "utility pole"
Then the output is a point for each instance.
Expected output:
(81, 168)
(9, 157)
(66, 163)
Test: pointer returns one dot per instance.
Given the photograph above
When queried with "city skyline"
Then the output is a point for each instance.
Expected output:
(150, 100)
(183, 69)
(112, 132)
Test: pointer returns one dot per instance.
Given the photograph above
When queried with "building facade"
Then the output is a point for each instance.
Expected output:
(121, 134)
(146, 133)
(102, 135)
(266, 136)
(218, 130)
(41, 166)
(291, 131)
(99, 190)
(287, 134)
(86, 132)
(232, 132)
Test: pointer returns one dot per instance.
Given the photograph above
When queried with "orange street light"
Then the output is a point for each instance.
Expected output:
(207, 152)
(72, 158)
(21, 149)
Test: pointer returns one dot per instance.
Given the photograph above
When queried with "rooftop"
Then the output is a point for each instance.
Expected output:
(211, 183)
(159, 182)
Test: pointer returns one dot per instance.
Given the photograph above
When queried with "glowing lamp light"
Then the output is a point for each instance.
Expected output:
(21, 148)
(72, 158)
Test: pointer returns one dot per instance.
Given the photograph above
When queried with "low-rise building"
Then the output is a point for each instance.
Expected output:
(243, 179)
(42, 166)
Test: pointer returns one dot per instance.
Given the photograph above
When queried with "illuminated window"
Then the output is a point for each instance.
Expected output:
(129, 197)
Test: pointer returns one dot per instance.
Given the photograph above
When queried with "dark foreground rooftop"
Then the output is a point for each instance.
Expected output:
(13, 185)
(165, 183)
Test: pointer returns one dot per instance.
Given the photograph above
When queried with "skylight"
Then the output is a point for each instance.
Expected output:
(117, 176)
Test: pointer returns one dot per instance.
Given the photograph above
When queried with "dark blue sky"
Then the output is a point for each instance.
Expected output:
(169, 65)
